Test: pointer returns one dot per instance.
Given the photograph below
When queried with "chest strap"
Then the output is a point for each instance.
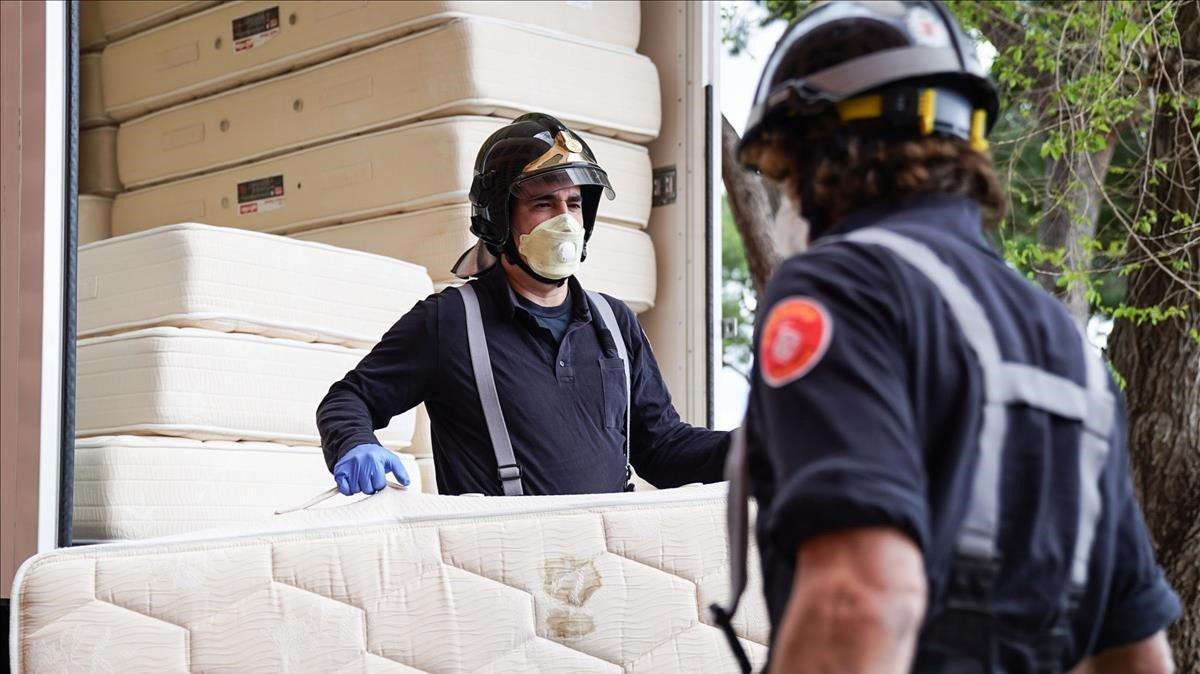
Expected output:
(485, 383)
(609, 321)
(481, 364)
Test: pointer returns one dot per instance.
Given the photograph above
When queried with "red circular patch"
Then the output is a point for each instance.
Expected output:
(795, 337)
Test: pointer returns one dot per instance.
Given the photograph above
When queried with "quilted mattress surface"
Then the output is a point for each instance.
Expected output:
(211, 385)
(402, 582)
(409, 168)
(620, 259)
(226, 279)
(131, 487)
(481, 68)
(240, 42)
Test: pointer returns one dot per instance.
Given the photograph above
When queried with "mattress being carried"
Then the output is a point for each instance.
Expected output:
(240, 42)
(410, 168)
(209, 385)
(131, 487)
(403, 582)
(620, 259)
(232, 280)
(480, 67)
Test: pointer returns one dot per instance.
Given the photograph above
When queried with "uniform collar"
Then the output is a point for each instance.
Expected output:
(495, 283)
(946, 212)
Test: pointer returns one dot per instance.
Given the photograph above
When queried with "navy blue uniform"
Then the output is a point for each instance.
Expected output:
(882, 427)
(563, 401)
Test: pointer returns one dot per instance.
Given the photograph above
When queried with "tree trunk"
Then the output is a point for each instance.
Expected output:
(1161, 363)
(1074, 184)
(753, 202)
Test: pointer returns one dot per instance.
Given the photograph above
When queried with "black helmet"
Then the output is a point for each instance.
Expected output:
(534, 155)
(907, 64)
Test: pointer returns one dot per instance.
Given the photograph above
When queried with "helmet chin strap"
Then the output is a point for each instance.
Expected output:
(510, 252)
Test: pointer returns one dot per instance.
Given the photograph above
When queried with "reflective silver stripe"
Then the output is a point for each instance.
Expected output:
(481, 362)
(1007, 383)
(1044, 390)
(1094, 446)
(981, 523)
(609, 320)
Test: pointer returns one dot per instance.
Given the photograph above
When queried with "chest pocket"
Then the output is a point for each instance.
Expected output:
(612, 380)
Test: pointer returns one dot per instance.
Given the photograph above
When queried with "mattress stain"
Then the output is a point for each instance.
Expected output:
(566, 624)
(570, 580)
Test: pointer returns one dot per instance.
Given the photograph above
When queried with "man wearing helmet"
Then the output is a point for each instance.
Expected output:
(533, 385)
(938, 456)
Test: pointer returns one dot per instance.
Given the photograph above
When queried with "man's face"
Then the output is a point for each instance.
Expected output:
(527, 214)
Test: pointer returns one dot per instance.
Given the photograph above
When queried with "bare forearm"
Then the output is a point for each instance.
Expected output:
(856, 607)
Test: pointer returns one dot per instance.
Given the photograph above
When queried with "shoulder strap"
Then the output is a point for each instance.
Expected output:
(1007, 383)
(609, 320)
(485, 383)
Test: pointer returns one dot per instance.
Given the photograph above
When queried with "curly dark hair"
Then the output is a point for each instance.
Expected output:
(850, 166)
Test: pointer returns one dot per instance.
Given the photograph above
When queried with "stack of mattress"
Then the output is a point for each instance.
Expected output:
(403, 582)
(204, 352)
(357, 123)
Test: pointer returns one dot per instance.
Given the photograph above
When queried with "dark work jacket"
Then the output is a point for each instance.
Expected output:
(883, 428)
(563, 403)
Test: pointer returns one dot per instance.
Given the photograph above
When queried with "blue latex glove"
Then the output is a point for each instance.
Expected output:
(365, 468)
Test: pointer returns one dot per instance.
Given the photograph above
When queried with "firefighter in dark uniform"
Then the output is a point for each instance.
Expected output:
(938, 457)
(533, 385)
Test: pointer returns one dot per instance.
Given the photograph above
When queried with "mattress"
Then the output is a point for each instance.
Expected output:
(95, 218)
(609, 583)
(428, 470)
(410, 168)
(232, 280)
(241, 42)
(122, 18)
(131, 487)
(207, 385)
(422, 441)
(91, 103)
(91, 30)
(620, 259)
(481, 68)
(98, 161)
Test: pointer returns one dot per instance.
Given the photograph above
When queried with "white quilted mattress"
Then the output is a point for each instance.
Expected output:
(481, 68)
(232, 280)
(131, 487)
(410, 168)
(98, 161)
(210, 385)
(121, 18)
(620, 259)
(95, 218)
(402, 582)
(91, 101)
(240, 42)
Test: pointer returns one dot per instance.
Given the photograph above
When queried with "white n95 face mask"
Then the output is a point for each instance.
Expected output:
(554, 248)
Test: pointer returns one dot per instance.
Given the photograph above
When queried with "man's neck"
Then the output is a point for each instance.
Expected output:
(544, 294)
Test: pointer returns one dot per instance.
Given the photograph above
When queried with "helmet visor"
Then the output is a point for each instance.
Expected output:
(554, 180)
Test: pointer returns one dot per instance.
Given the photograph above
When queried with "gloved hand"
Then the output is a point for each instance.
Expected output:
(365, 468)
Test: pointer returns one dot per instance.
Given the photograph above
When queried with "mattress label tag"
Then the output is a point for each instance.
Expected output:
(260, 196)
(580, 4)
(254, 30)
